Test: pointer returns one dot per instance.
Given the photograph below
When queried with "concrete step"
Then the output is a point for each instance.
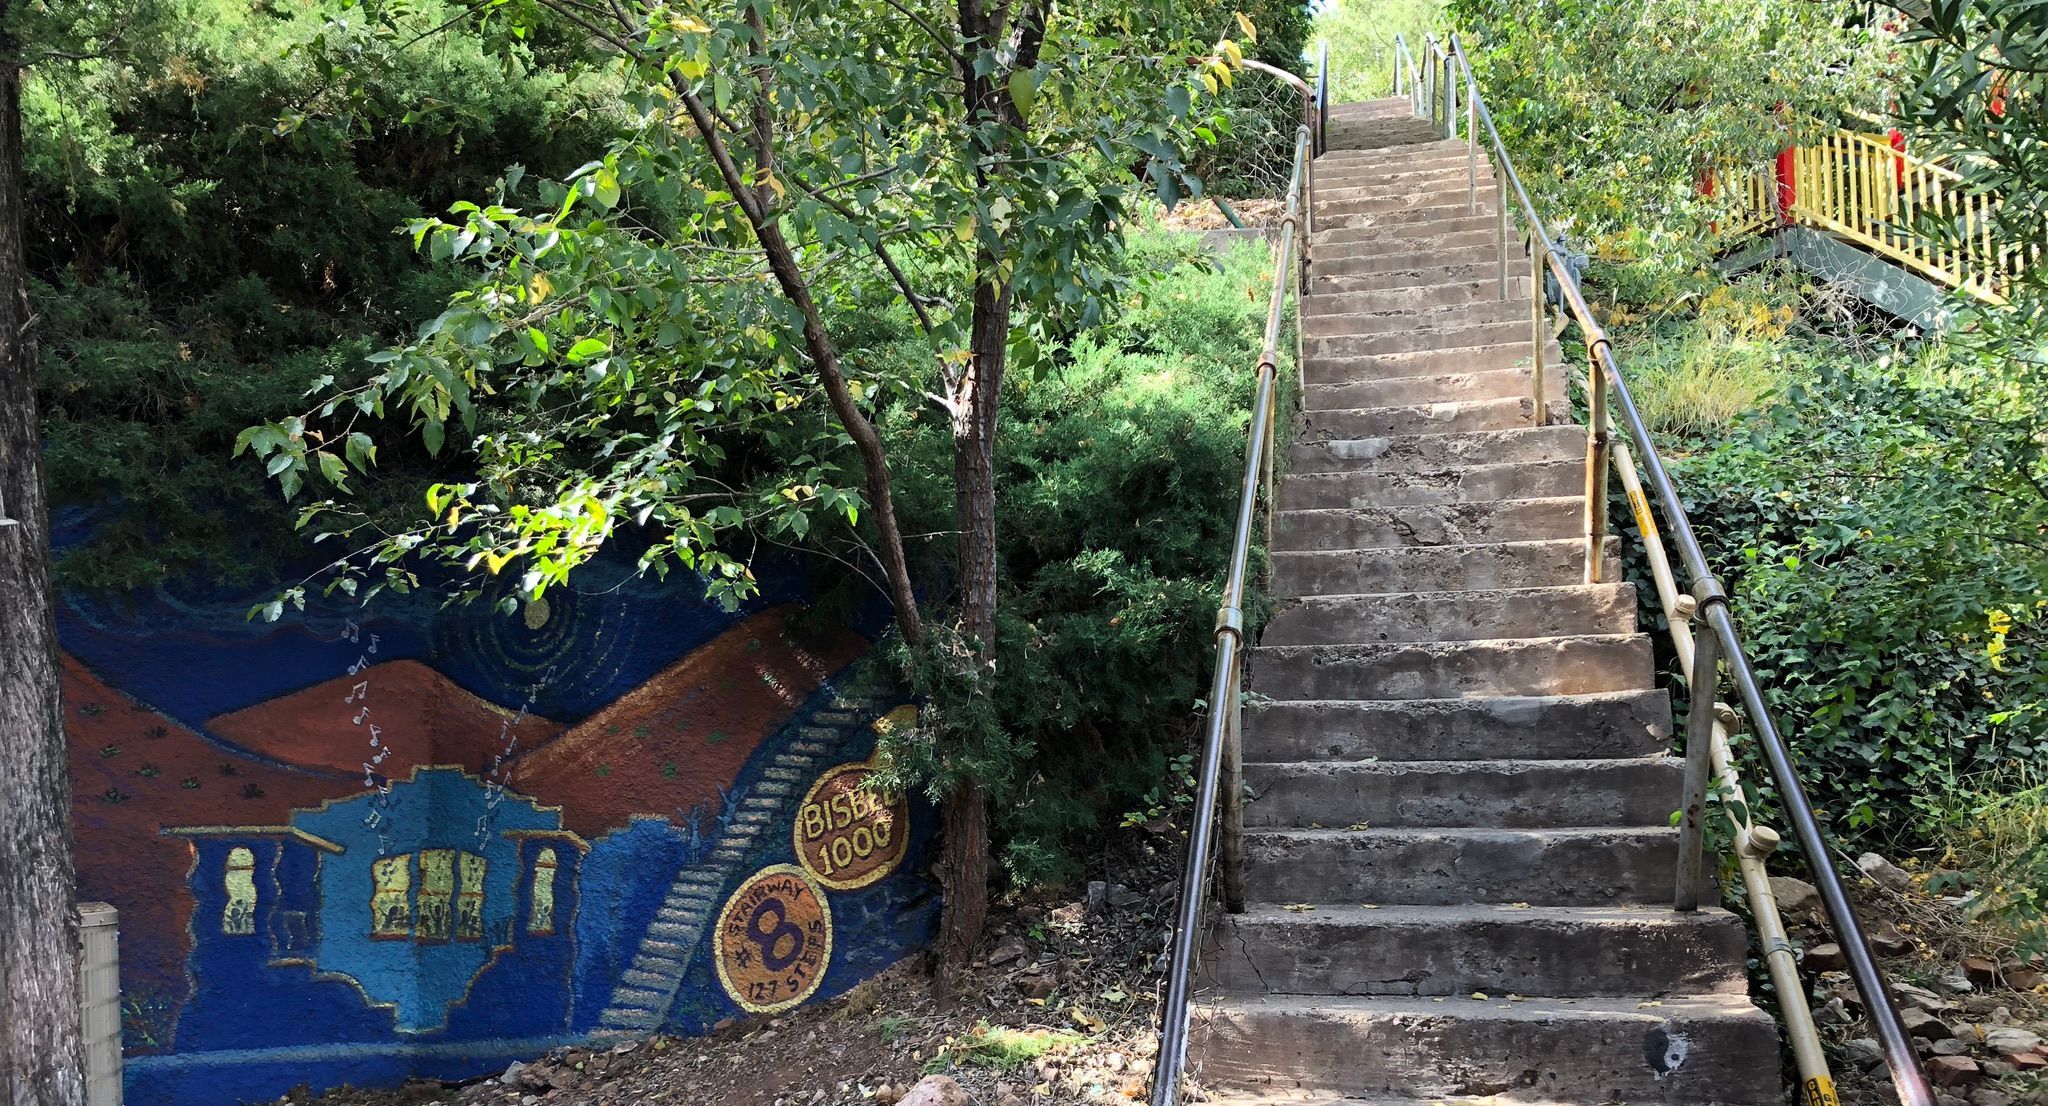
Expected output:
(1381, 108)
(1449, 867)
(1450, 387)
(1437, 452)
(1455, 177)
(1555, 518)
(1577, 665)
(1368, 237)
(1428, 276)
(1503, 794)
(1308, 491)
(1441, 568)
(1404, 200)
(1435, 147)
(1414, 321)
(1417, 297)
(1452, 335)
(1610, 724)
(1432, 418)
(1351, 369)
(1560, 611)
(1558, 951)
(1413, 261)
(1398, 239)
(1689, 1049)
(1393, 130)
(1445, 208)
(1359, 166)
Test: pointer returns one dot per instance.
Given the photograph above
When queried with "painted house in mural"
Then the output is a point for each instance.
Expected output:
(430, 841)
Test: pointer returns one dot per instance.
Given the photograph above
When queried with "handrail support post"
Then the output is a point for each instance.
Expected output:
(1699, 750)
(1539, 251)
(1598, 443)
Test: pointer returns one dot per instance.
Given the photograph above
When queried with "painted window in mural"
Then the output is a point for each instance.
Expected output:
(469, 899)
(391, 901)
(437, 886)
(542, 919)
(238, 918)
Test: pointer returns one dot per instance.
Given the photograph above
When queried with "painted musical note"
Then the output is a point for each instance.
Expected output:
(360, 715)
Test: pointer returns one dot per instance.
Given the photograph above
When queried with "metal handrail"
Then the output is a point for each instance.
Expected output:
(1220, 782)
(1708, 606)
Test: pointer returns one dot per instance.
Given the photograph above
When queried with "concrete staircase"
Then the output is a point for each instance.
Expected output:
(1459, 860)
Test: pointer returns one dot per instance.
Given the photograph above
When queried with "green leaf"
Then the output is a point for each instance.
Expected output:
(1024, 91)
(332, 469)
(432, 433)
(587, 349)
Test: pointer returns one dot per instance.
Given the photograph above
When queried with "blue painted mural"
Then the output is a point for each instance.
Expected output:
(359, 847)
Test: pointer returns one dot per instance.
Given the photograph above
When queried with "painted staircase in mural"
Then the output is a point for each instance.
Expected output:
(648, 988)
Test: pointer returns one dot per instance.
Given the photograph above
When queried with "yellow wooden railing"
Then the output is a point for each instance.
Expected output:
(1859, 188)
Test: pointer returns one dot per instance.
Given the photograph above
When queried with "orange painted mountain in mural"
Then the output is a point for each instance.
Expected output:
(135, 772)
(424, 717)
(671, 743)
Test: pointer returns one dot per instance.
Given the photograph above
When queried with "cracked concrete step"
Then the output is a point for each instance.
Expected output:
(1432, 147)
(1417, 319)
(1359, 368)
(1458, 417)
(1556, 951)
(1443, 180)
(1427, 388)
(1437, 452)
(1417, 243)
(1417, 297)
(1384, 107)
(1376, 237)
(1222, 1097)
(1554, 518)
(1574, 665)
(1369, 133)
(1451, 336)
(1427, 276)
(1560, 611)
(1405, 200)
(1504, 794)
(1690, 1049)
(1445, 207)
(1330, 263)
(1447, 867)
(1610, 724)
(1367, 165)
(1438, 568)
(1471, 483)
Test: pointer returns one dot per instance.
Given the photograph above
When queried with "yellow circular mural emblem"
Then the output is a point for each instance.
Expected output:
(773, 940)
(847, 834)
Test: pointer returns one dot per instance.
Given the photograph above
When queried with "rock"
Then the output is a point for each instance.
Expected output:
(2023, 978)
(1943, 1098)
(1883, 872)
(1922, 998)
(1036, 985)
(1957, 982)
(1070, 914)
(1003, 954)
(1863, 1052)
(1797, 899)
(512, 1072)
(1953, 1071)
(1825, 958)
(1123, 898)
(1968, 1034)
(1950, 1047)
(1832, 1012)
(1996, 1069)
(1990, 1096)
(2009, 1040)
(2028, 1061)
(1098, 896)
(1980, 971)
(888, 1095)
(1886, 940)
(1920, 1023)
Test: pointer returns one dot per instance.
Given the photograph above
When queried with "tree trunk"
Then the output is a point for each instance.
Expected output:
(42, 1058)
(976, 399)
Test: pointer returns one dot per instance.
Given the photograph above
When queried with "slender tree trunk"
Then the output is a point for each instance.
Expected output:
(964, 873)
(42, 1058)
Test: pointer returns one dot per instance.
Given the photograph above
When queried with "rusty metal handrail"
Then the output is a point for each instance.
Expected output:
(1220, 783)
(1707, 605)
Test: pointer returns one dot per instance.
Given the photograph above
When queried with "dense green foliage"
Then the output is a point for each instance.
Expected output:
(196, 269)
(1360, 35)
(1615, 109)
(1117, 472)
(1874, 498)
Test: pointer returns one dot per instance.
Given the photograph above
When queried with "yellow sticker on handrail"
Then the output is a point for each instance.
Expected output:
(1820, 1091)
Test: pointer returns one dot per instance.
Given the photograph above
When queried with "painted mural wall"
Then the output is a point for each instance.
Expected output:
(362, 845)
